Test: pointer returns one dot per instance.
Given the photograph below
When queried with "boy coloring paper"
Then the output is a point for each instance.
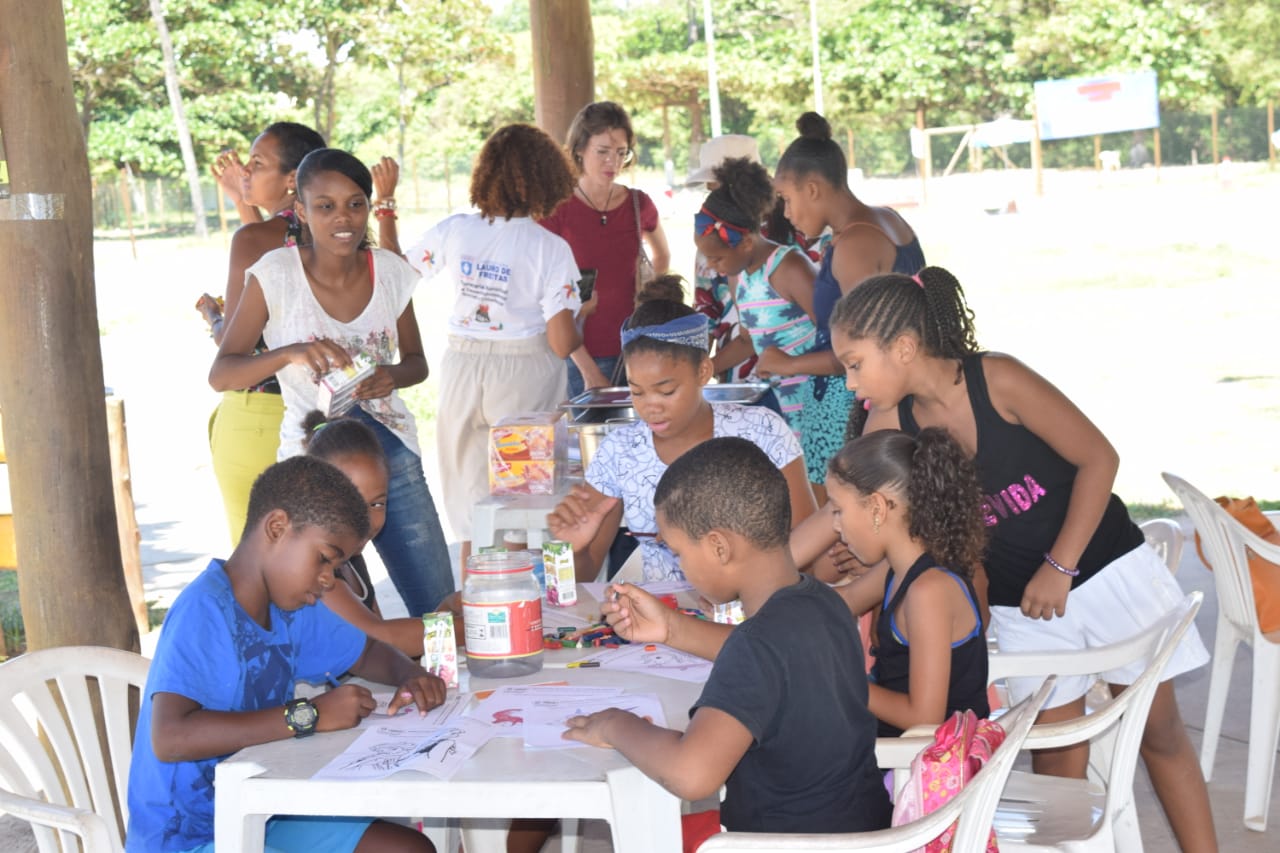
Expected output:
(546, 721)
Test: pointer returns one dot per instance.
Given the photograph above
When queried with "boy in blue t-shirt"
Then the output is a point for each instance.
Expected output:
(234, 643)
(782, 722)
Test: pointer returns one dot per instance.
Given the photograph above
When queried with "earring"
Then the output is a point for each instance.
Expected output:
(875, 522)
(290, 190)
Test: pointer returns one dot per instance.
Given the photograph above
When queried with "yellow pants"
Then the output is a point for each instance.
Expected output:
(244, 435)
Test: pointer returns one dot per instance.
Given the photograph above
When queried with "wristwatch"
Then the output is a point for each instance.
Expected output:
(301, 716)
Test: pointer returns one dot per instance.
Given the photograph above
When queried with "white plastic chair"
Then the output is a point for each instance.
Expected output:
(1225, 541)
(58, 769)
(1165, 536)
(1051, 813)
(973, 807)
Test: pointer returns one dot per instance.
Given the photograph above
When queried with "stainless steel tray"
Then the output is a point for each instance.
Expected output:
(620, 397)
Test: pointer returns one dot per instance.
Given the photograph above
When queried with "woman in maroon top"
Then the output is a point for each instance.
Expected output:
(599, 224)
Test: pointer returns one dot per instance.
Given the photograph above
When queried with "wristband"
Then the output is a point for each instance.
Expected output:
(1071, 573)
(384, 212)
(388, 203)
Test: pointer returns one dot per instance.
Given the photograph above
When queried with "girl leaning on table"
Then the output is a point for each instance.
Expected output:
(318, 304)
(1066, 567)
(665, 352)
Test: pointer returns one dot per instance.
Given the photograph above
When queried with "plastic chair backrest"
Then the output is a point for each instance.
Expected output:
(1165, 536)
(1222, 539)
(53, 746)
(974, 806)
(1126, 712)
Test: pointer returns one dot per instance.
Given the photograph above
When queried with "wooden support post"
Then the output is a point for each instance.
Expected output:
(55, 424)
(1213, 123)
(1097, 153)
(564, 71)
(1037, 158)
(126, 518)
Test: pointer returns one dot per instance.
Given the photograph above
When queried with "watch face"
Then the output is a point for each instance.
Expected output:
(302, 716)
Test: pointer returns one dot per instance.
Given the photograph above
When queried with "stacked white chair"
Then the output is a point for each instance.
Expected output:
(973, 807)
(1225, 542)
(57, 769)
(1050, 813)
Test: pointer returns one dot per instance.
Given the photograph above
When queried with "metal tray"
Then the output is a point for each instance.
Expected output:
(620, 397)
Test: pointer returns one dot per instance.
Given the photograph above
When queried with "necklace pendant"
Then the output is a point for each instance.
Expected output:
(604, 219)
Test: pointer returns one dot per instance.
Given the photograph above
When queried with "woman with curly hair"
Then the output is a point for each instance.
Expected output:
(605, 223)
(515, 299)
(911, 507)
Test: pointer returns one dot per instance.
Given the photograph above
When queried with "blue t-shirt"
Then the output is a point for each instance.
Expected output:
(212, 652)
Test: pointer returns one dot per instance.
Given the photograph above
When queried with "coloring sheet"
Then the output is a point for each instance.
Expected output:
(600, 591)
(504, 708)
(545, 719)
(388, 746)
(452, 707)
(655, 659)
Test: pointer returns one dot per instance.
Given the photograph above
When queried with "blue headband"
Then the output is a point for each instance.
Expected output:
(690, 331)
(705, 222)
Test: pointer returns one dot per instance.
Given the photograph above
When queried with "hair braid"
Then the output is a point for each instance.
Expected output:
(886, 306)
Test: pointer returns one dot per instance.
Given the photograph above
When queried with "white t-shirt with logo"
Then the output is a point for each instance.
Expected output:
(509, 276)
(294, 315)
(627, 466)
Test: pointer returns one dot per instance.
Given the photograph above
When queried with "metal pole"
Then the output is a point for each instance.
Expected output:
(713, 87)
(817, 67)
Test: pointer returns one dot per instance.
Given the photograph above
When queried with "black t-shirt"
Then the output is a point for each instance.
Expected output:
(1026, 488)
(793, 675)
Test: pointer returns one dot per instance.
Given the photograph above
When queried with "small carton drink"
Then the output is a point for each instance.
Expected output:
(562, 582)
(439, 649)
(336, 392)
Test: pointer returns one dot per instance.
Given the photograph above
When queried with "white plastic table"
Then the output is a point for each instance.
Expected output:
(502, 780)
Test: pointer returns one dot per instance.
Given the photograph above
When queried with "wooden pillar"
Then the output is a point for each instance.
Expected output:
(1097, 153)
(564, 71)
(1037, 157)
(55, 425)
(126, 518)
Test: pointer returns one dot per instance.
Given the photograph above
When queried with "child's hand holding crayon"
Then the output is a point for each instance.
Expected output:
(343, 707)
(637, 616)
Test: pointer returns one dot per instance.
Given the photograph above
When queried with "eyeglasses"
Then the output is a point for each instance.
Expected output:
(621, 155)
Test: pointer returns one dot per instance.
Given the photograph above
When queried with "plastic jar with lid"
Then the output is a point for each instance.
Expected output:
(518, 540)
(502, 611)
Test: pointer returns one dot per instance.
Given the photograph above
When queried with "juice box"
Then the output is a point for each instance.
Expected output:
(439, 649)
(528, 453)
(562, 583)
(337, 388)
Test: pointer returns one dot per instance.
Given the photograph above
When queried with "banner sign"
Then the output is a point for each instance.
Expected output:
(1086, 106)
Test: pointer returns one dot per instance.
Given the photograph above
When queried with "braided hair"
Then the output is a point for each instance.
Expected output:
(886, 306)
(936, 479)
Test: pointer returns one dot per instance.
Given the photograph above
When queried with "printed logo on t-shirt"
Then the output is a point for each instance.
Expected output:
(1013, 499)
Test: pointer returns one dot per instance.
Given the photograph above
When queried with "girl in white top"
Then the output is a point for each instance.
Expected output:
(516, 295)
(665, 352)
(319, 304)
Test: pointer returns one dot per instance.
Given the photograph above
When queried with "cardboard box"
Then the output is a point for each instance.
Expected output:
(528, 454)
(337, 388)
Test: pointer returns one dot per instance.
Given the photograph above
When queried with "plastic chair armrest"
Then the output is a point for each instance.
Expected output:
(82, 822)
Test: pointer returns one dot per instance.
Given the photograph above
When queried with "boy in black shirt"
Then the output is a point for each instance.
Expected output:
(783, 720)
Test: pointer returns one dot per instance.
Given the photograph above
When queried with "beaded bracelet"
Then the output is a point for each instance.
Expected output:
(388, 203)
(1048, 558)
(382, 212)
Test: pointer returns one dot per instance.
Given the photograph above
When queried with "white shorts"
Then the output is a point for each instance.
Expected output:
(1127, 596)
(481, 382)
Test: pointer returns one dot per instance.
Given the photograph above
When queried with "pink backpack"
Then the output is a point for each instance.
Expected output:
(961, 745)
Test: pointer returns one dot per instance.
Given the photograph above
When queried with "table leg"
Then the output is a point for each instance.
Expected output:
(235, 830)
(646, 817)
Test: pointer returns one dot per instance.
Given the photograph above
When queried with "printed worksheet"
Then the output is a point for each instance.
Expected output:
(545, 720)
(600, 590)
(655, 659)
(452, 707)
(504, 709)
(388, 746)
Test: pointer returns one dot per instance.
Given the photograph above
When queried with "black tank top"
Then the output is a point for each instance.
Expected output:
(1026, 487)
(968, 687)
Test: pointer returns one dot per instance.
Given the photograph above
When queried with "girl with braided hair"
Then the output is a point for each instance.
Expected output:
(1067, 569)
(909, 507)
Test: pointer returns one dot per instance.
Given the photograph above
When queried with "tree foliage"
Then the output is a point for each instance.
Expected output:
(429, 79)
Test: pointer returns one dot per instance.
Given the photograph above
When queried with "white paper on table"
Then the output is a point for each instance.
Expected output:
(600, 590)
(452, 706)
(545, 721)
(663, 661)
(504, 708)
(396, 744)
